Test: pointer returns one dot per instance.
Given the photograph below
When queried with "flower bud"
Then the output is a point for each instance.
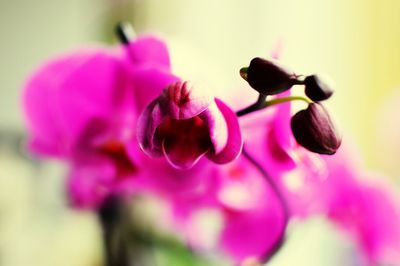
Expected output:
(314, 130)
(317, 89)
(269, 77)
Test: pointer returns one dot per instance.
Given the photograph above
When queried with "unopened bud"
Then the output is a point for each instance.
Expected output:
(268, 77)
(314, 130)
(317, 89)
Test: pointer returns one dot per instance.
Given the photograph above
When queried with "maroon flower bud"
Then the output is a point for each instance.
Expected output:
(269, 77)
(317, 89)
(314, 130)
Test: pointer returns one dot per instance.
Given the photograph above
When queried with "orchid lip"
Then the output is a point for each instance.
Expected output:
(185, 123)
(189, 164)
(183, 142)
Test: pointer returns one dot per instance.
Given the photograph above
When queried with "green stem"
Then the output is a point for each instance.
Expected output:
(262, 103)
(285, 99)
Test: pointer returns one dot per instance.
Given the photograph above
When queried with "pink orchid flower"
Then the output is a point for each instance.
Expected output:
(83, 107)
(255, 226)
(184, 124)
(254, 218)
(295, 170)
(363, 207)
(334, 186)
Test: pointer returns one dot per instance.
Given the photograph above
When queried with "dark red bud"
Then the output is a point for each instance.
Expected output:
(314, 130)
(269, 77)
(317, 89)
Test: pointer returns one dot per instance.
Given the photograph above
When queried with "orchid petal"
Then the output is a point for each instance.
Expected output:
(162, 179)
(149, 50)
(66, 93)
(217, 127)
(182, 101)
(149, 82)
(254, 222)
(234, 142)
(90, 181)
(279, 139)
(147, 125)
(253, 233)
(364, 208)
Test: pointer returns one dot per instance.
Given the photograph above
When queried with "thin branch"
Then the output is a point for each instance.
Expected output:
(278, 244)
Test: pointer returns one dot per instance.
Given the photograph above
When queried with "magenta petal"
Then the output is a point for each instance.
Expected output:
(39, 101)
(254, 221)
(279, 139)
(367, 210)
(149, 50)
(149, 82)
(253, 233)
(234, 142)
(279, 157)
(69, 91)
(370, 215)
(181, 154)
(83, 94)
(181, 100)
(147, 125)
(217, 127)
(171, 182)
(90, 181)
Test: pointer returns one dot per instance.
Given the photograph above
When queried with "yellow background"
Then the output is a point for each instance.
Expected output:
(356, 43)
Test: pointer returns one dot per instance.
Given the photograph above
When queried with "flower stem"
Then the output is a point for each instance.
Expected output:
(262, 103)
(115, 247)
(285, 209)
(254, 107)
(286, 99)
(125, 32)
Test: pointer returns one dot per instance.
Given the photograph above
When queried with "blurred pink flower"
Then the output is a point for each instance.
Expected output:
(254, 216)
(364, 207)
(337, 186)
(83, 107)
(184, 123)
(258, 227)
(295, 170)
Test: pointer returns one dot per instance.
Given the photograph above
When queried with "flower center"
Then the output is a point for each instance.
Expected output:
(116, 151)
(184, 141)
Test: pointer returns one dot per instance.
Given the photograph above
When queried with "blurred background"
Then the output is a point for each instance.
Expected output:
(355, 42)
